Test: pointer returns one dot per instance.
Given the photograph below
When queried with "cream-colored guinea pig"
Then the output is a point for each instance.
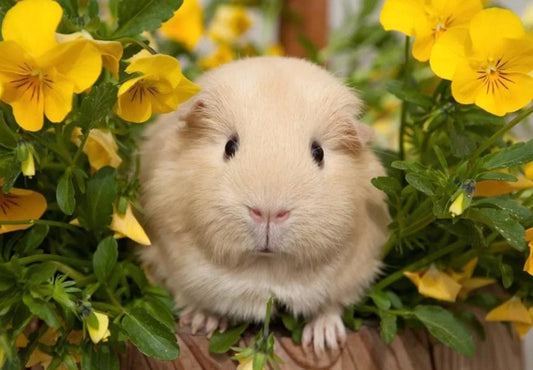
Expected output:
(259, 186)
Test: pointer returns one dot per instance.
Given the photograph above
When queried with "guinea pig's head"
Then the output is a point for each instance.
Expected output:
(276, 164)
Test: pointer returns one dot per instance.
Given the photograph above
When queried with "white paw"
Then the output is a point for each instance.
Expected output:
(202, 322)
(325, 331)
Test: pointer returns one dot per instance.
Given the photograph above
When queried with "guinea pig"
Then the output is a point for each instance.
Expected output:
(259, 186)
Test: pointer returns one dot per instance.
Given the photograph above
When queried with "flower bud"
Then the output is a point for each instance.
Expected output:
(100, 333)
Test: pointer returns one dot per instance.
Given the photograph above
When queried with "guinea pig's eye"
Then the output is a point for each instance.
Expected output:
(318, 153)
(231, 147)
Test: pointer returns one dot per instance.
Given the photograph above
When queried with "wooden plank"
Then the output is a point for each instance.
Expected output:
(304, 18)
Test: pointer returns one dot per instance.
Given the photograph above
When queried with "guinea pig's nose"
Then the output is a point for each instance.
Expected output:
(259, 215)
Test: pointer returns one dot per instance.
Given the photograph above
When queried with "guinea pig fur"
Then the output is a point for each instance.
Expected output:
(259, 186)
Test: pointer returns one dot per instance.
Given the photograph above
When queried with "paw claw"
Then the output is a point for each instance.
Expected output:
(201, 322)
(324, 332)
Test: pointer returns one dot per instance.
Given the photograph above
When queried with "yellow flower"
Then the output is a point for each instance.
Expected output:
(435, 284)
(20, 204)
(100, 147)
(488, 63)
(246, 364)
(186, 25)
(39, 74)
(427, 20)
(528, 266)
(28, 164)
(521, 328)
(160, 88)
(275, 49)
(110, 51)
(515, 312)
(222, 55)
(229, 23)
(100, 333)
(469, 283)
(493, 188)
(458, 206)
(126, 225)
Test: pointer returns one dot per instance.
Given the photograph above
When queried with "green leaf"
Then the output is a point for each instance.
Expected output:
(503, 223)
(394, 299)
(39, 273)
(409, 94)
(105, 258)
(471, 320)
(42, 309)
(33, 238)
(420, 183)
(150, 336)
(96, 106)
(98, 358)
(507, 274)
(509, 205)
(444, 326)
(388, 326)
(381, 299)
(65, 194)
(514, 155)
(158, 310)
(390, 185)
(95, 212)
(222, 342)
(136, 16)
(7, 137)
(498, 176)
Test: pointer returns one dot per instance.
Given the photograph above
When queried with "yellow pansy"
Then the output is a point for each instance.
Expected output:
(435, 284)
(110, 51)
(246, 364)
(459, 205)
(20, 204)
(186, 25)
(159, 88)
(229, 23)
(469, 283)
(39, 74)
(488, 63)
(515, 312)
(100, 333)
(126, 225)
(528, 266)
(493, 188)
(222, 55)
(100, 147)
(427, 20)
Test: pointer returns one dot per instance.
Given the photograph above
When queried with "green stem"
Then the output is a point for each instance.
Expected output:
(132, 40)
(113, 299)
(403, 118)
(498, 134)
(46, 144)
(81, 146)
(40, 222)
(75, 275)
(101, 306)
(418, 265)
(53, 258)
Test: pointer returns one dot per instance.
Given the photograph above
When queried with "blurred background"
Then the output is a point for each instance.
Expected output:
(343, 35)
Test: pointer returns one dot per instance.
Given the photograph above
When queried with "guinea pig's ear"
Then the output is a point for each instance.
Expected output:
(365, 133)
(193, 113)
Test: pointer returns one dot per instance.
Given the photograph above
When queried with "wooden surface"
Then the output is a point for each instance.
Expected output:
(412, 350)
(307, 19)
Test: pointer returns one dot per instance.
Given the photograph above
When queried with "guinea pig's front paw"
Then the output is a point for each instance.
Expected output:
(200, 321)
(326, 331)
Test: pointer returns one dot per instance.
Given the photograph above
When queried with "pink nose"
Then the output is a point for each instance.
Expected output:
(260, 216)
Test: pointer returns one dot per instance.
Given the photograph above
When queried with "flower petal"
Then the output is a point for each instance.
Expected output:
(522, 329)
(447, 52)
(500, 101)
(58, 97)
(402, 15)
(490, 27)
(465, 84)
(101, 332)
(528, 266)
(438, 285)
(128, 226)
(32, 25)
(101, 149)
(159, 66)
(186, 25)
(493, 188)
(471, 284)
(131, 109)
(79, 61)
(20, 204)
(511, 310)
(28, 109)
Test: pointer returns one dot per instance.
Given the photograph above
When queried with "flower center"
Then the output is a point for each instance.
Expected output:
(8, 201)
(32, 81)
(140, 90)
(494, 76)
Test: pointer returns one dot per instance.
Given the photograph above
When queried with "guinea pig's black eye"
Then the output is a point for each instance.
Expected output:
(318, 153)
(231, 147)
